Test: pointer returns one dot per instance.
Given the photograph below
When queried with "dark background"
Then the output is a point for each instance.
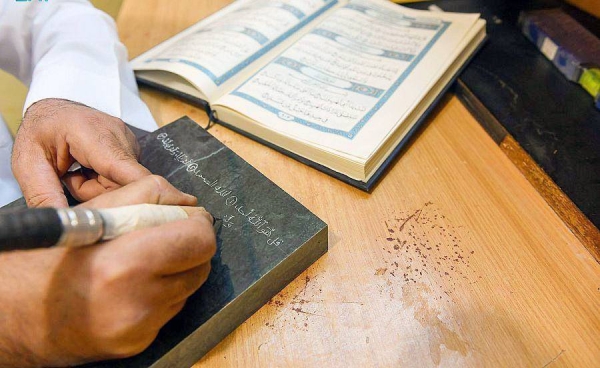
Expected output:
(553, 119)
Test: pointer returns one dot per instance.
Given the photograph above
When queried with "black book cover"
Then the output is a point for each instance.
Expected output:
(511, 87)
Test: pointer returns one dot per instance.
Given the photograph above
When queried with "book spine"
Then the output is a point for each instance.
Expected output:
(203, 104)
(560, 56)
(213, 117)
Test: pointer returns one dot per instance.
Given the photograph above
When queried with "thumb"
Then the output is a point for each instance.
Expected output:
(120, 168)
(38, 179)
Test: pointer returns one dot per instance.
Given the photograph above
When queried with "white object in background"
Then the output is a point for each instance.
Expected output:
(435, 8)
(66, 49)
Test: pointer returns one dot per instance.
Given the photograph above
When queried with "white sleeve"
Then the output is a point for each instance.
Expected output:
(68, 49)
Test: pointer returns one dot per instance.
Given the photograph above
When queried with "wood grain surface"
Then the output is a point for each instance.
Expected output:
(453, 260)
(568, 212)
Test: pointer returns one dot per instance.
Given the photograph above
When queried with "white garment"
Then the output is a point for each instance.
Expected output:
(65, 49)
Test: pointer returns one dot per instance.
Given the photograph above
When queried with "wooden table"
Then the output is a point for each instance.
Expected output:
(453, 260)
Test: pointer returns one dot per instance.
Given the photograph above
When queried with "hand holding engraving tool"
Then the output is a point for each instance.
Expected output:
(73, 227)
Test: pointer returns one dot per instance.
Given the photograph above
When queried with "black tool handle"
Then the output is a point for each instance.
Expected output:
(29, 229)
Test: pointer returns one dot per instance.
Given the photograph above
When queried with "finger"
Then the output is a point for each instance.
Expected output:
(172, 310)
(37, 178)
(130, 136)
(198, 210)
(167, 313)
(83, 188)
(114, 154)
(106, 183)
(177, 307)
(151, 189)
(174, 247)
(120, 168)
(180, 286)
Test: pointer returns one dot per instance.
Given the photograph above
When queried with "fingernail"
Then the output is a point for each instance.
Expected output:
(217, 222)
(212, 218)
(203, 212)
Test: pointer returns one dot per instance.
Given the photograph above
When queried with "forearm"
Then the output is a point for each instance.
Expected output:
(32, 307)
(15, 335)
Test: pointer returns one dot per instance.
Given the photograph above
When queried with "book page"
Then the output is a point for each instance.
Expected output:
(346, 84)
(216, 50)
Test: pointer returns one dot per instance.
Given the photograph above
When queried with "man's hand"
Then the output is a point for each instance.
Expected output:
(62, 306)
(54, 134)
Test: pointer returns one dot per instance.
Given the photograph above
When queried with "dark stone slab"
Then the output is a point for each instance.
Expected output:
(265, 239)
(553, 119)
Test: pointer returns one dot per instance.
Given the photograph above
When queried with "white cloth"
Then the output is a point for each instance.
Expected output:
(65, 49)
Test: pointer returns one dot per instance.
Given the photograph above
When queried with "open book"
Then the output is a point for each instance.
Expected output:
(337, 84)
